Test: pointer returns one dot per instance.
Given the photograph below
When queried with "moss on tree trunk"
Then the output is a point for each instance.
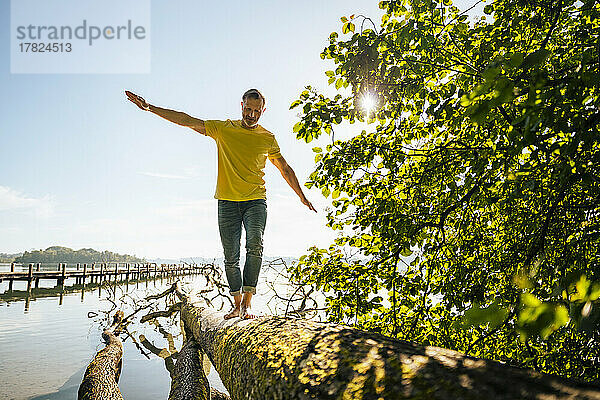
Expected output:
(279, 358)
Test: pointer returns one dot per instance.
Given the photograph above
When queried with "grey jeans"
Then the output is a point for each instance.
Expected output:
(252, 214)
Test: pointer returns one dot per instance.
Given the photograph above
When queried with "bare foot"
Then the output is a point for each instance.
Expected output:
(246, 314)
(235, 312)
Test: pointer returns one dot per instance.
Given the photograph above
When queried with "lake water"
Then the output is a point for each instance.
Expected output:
(48, 339)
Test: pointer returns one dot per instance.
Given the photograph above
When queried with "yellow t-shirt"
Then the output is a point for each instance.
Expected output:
(242, 154)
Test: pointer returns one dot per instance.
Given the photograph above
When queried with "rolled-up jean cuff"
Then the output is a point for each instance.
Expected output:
(236, 293)
(250, 289)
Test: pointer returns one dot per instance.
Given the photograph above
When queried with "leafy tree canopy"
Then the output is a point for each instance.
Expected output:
(474, 194)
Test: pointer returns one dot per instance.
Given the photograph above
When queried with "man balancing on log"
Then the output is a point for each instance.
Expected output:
(242, 147)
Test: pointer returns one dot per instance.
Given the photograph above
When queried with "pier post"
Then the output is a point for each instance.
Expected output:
(83, 276)
(37, 269)
(10, 281)
(128, 269)
(63, 276)
(101, 272)
(58, 277)
(29, 277)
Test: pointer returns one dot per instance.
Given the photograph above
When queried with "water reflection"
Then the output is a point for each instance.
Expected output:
(55, 337)
(47, 331)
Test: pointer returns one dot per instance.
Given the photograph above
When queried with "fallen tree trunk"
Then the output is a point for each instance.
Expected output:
(101, 377)
(189, 380)
(188, 373)
(279, 358)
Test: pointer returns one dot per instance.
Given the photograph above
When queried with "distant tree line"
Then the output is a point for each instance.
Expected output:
(7, 258)
(56, 254)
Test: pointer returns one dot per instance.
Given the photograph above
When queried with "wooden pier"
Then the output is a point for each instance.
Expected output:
(93, 272)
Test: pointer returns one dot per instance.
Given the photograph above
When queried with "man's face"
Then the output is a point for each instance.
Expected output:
(252, 109)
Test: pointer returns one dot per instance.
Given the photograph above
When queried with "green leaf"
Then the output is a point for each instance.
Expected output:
(479, 112)
(348, 27)
(539, 318)
(516, 59)
(504, 91)
(492, 314)
(406, 252)
(491, 73)
(535, 58)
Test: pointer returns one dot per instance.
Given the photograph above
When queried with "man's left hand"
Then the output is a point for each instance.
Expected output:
(308, 204)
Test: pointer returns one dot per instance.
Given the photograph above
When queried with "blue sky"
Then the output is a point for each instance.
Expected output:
(80, 166)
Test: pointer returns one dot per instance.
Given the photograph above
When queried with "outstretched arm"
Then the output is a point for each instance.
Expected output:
(180, 118)
(290, 177)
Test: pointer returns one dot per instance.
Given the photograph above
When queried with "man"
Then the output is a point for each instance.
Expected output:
(243, 147)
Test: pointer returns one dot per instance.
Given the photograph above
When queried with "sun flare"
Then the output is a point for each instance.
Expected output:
(368, 103)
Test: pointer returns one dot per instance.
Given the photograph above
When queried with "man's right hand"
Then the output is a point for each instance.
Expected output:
(138, 100)
(178, 117)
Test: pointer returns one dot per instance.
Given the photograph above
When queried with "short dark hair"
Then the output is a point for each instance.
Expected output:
(254, 94)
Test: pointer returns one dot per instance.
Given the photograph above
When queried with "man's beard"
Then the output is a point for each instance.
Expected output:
(249, 123)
